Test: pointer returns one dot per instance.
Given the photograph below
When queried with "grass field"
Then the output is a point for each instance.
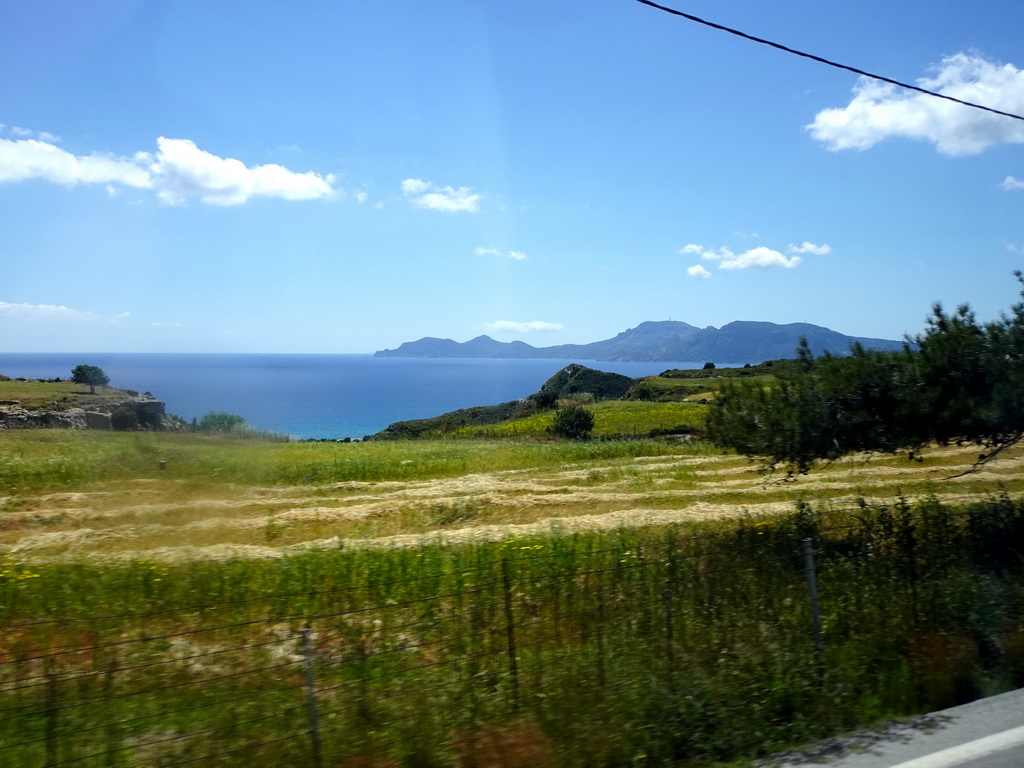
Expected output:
(525, 603)
(612, 419)
(55, 395)
(69, 495)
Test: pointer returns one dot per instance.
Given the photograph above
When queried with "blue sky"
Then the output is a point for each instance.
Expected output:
(343, 177)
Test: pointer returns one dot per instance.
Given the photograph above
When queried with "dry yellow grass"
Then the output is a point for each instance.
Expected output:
(178, 520)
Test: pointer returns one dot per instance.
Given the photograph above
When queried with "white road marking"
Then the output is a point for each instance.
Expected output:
(972, 750)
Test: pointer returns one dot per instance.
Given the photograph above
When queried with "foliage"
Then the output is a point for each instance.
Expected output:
(664, 389)
(959, 383)
(545, 399)
(91, 375)
(34, 394)
(453, 421)
(576, 379)
(65, 459)
(217, 421)
(767, 367)
(613, 419)
(685, 645)
(574, 422)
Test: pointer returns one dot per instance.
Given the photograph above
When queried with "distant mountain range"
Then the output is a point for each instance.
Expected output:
(660, 341)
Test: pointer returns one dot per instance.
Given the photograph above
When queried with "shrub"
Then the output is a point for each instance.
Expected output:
(221, 422)
(574, 423)
(545, 399)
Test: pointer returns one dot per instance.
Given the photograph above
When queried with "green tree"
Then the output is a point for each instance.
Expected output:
(91, 375)
(574, 422)
(545, 399)
(961, 382)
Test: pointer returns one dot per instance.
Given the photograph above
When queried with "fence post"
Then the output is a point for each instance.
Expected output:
(314, 721)
(510, 632)
(111, 729)
(52, 700)
(666, 596)
(812, 587)
(602, 678)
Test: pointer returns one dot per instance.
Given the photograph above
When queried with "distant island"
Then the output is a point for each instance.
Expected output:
(740, 342)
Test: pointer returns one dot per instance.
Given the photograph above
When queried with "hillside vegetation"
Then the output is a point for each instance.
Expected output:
(455, 599)
(56, 395)
(74, 494)
(623, 407)
(604, 604)
(960, 383)
(505, 597)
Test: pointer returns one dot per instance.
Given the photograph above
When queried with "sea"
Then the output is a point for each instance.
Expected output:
(323, 397)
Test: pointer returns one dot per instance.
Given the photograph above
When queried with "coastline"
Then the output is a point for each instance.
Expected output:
(315, 396)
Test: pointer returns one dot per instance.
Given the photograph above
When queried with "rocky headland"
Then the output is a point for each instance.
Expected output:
(36, 404)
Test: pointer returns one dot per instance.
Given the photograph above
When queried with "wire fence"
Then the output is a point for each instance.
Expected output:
(660, 645)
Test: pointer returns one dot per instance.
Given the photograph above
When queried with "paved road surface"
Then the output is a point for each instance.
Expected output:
(988, 733)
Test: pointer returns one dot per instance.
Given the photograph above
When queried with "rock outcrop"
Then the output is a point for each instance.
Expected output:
(131, 413)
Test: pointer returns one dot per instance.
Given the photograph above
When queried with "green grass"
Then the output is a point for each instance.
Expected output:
(612, 419)
(56, 396)
(767, 369)
(36, 460)
(647, 647)
(693, 386)
(661, 389)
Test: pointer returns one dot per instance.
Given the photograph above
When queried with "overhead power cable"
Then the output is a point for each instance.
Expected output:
(821, 60)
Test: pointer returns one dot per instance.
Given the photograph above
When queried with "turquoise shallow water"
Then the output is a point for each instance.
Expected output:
(314, 396)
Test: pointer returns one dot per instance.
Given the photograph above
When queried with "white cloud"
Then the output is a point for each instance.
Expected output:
(178, 171)
(1010, 183)
(361, 197)
(181, 170)
(414, 186)
(760, 257)
(1012, 248)
(511, 326)
(54, 312)
(698, 271)
(26, 133)
(514, 255)
(806, 247)
(879, 110)
(756, 258)
(26, 159)
(425, 194)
